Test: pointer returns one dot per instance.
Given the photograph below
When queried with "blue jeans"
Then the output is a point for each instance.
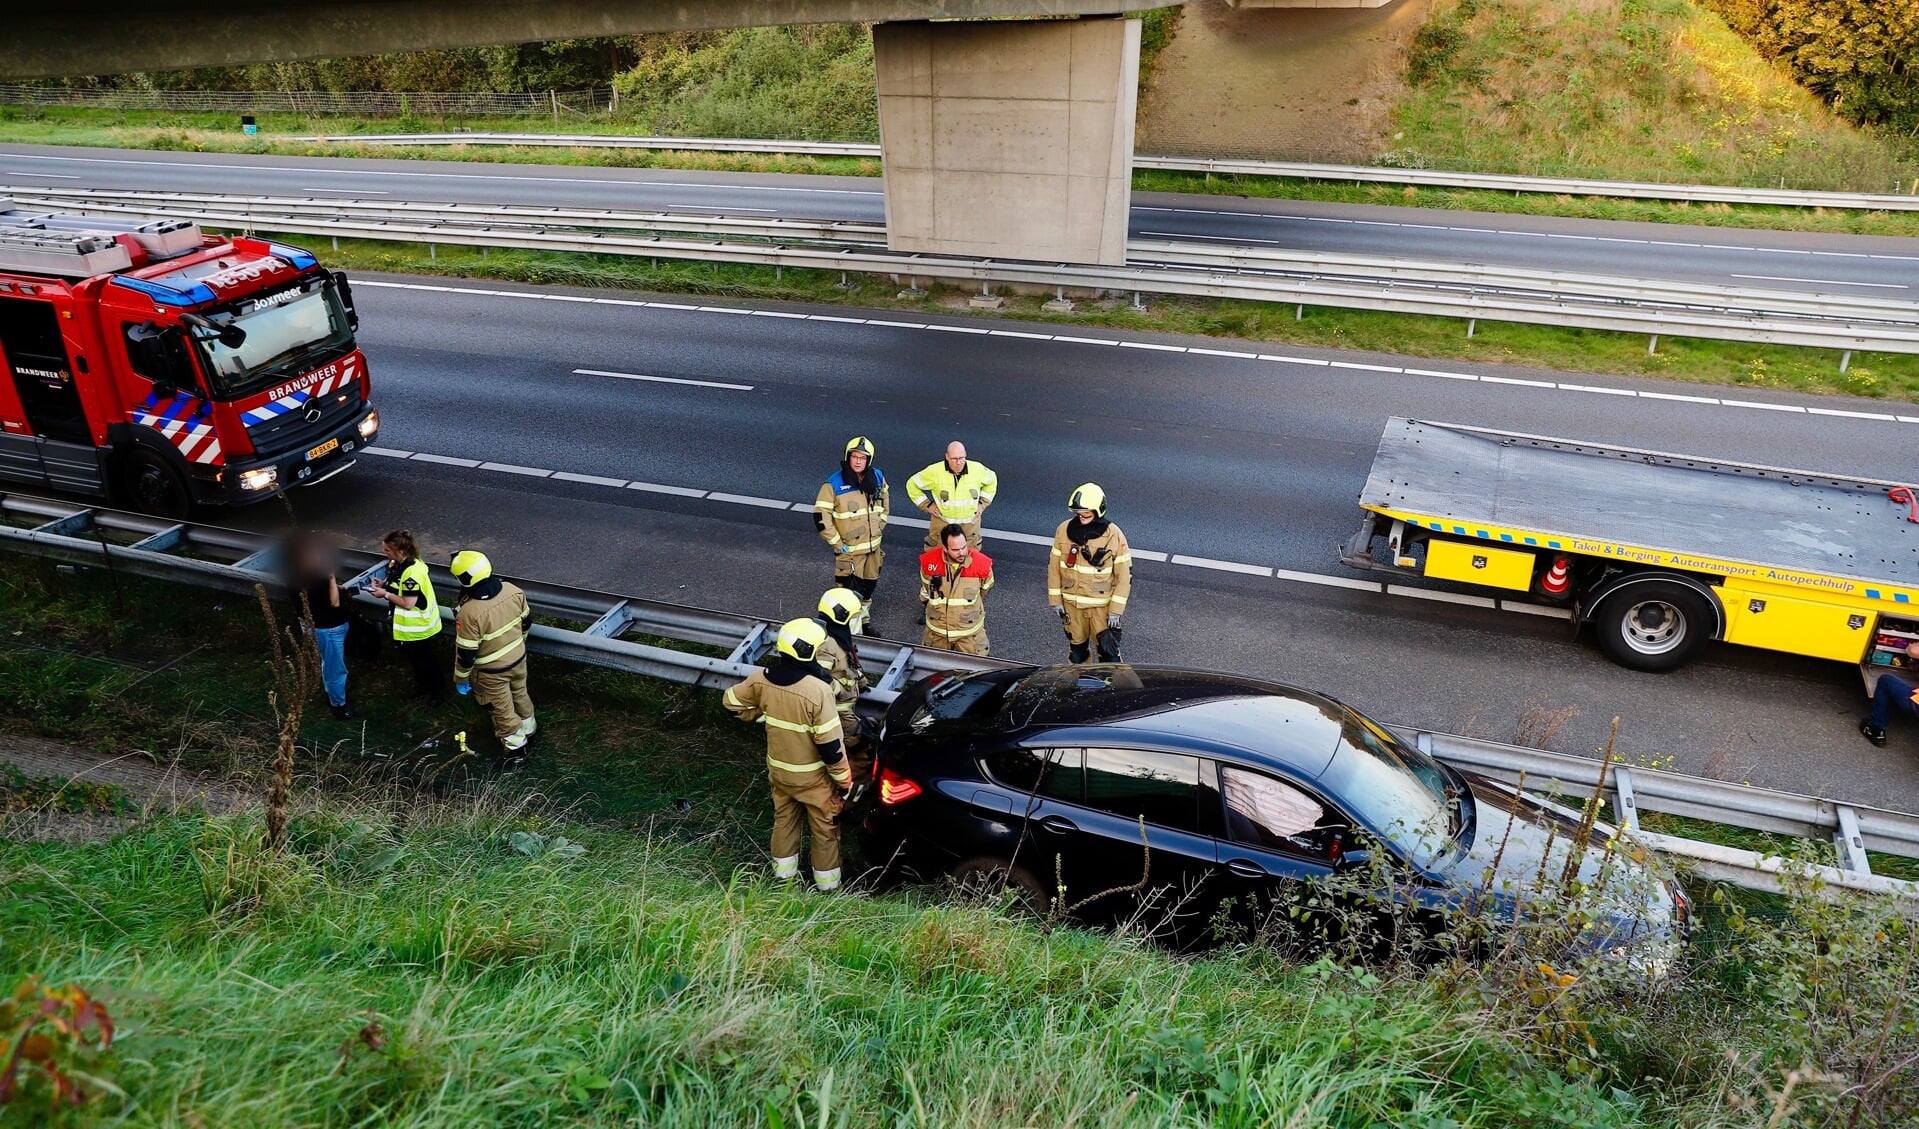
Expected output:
(332, 644)
(1892, 692)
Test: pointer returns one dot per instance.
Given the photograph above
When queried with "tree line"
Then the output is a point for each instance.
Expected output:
(1861, 56)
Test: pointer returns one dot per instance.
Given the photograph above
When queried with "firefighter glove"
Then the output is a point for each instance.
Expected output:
(1112, 621)
(1061, 609)
(463, 687)
(839, 549)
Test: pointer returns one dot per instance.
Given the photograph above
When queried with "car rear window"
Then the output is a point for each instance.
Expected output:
(1162, 788)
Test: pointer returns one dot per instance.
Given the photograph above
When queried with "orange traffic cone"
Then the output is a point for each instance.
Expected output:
(1557, 581)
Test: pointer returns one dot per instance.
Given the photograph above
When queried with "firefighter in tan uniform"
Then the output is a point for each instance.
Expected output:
(489, 640)
(850, 514)
(954, 581)
(805, 760)
(839, 657)
(1090, 576)
(955, 491)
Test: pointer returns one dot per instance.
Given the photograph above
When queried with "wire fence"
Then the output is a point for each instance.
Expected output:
(369, 103)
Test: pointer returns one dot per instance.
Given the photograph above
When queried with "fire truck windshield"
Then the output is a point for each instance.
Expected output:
(285, 331)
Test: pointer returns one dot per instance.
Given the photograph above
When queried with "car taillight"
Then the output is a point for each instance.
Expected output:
(896, 789)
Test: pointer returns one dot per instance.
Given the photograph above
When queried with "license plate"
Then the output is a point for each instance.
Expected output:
(322, 449)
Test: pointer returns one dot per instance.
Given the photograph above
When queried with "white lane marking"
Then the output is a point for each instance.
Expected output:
(778, 314)
(589, 479)
(1441, 597)
(510, 468)
(914, 522)
(46, 175)
(615, 182)
(1275, 358)
(1325, 581)
(345, 191)
(749, 500)
(1824, 281)
(1534, 609)
(1221, 566)
(723, 310)
(1313, 578)
(664, 379)
(657, 488)
(955, 328)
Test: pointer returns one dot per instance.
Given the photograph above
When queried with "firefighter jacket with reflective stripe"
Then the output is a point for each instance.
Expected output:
(960, 497)
(955, 596)
(847, 682)
(422, 620)
(489, 628)
(845, 515)
(1097, 574)
(802, 723)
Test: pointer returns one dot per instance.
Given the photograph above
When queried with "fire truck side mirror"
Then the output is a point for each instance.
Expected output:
(346, 299)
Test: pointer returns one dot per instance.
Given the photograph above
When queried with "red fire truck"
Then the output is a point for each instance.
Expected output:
(145, 361)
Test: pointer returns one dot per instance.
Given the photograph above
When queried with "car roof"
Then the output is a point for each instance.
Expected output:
(1200, 711)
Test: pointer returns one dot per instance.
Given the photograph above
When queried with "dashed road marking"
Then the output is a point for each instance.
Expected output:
(664, 379)
(1075, 339)
(1176, 559)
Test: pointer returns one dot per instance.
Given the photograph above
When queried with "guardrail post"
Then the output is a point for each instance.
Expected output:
(1845, 360)
(611, 622)
(1652, 344)
(898, 672)
(165, 541)
(1627, 802)
(1471, 325)
(751, 648)
(260, 561)
(1851, 844)
(71, 525)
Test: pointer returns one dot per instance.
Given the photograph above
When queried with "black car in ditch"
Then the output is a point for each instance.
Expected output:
(1246, 793)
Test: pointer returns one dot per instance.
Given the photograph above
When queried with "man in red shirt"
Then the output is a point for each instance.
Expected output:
(954, 580)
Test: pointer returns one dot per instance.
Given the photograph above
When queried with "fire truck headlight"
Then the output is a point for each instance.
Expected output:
(259, 478)
(369, 425)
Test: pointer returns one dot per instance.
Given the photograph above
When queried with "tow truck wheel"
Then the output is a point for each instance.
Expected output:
(148, 484)
(992, 879)
(1654, 626)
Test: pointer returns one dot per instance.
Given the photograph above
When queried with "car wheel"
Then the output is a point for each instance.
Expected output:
(1654, 626)
(150, 484)
(991, 880)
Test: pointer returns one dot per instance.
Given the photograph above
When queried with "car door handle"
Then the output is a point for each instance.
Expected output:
(1246, 869)
(1058, 824)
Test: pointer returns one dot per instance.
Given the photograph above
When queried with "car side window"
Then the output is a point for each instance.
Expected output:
(1162, 788)
(1054, 773)
(1263, 811)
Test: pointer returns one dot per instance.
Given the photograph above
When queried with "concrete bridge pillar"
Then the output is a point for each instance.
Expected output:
(1011, 139)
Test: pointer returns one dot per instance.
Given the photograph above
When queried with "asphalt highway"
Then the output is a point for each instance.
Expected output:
(1233, 475)
(1836, 264)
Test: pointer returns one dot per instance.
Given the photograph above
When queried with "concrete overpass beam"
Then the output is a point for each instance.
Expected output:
(1009, 139)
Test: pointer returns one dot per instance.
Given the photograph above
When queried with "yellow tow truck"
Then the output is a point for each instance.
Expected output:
(1659, 553)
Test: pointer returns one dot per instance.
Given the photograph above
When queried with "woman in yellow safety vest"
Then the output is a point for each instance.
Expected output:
(416, 614)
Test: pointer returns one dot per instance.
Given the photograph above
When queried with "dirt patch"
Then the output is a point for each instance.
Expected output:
(1279, 83)
(140, 786)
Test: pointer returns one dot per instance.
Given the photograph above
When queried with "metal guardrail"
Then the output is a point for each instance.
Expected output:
(1837, 322)
(234, 561)
(1226, 166)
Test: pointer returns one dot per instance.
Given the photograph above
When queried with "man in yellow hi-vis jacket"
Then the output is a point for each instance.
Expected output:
(955, 491)
(805, 755)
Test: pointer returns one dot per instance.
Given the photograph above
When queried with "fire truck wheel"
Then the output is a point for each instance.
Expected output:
(1656, 625)
(152, 486)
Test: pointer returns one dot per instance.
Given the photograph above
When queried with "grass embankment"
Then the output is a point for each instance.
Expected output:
(1887, 376)
(1624, 90)
(449, 962)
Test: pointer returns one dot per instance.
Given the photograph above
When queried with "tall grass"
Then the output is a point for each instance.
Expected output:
(1626, 90)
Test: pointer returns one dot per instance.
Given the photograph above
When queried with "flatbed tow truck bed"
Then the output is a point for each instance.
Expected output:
(1795, 560)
